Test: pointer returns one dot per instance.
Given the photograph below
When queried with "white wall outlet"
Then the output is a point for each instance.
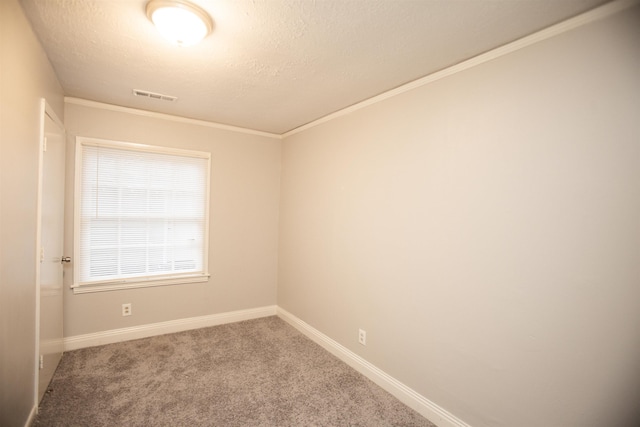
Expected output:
(362, 337)
(126, 309)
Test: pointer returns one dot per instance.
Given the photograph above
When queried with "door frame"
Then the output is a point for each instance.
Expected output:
(45, 110)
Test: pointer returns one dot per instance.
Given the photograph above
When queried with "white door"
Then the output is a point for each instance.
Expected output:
(51, 256)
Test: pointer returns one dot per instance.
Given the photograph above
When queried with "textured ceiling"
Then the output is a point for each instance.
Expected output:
(274, 65)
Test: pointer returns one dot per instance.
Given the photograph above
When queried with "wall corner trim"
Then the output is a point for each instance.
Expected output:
(406, 395)
(169, 117)
(587, 17)
(143, 331)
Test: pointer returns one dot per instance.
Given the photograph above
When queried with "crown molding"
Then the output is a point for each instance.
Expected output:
(585, 18)
(588, 17)
(169, 117)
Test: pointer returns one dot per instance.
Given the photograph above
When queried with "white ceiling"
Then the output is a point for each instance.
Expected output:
(274, 65)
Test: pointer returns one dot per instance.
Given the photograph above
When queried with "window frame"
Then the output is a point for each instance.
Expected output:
(147, 281)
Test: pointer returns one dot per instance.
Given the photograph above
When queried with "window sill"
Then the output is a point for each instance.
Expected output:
(117, 286)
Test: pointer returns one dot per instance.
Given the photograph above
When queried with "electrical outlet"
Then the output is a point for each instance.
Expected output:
(362, 337)
(126, 309)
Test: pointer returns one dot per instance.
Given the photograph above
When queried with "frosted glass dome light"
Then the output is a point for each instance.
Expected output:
(180, 22)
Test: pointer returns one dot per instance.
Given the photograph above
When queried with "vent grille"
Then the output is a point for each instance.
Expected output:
(154, 95)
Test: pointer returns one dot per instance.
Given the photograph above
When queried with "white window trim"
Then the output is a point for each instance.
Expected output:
(160, 280)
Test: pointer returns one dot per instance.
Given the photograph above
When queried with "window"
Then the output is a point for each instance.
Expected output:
(141, 215)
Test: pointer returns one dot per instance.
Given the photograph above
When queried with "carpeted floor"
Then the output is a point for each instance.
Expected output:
(259, 372)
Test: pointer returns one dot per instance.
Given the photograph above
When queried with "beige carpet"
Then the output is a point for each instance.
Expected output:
(259, 372)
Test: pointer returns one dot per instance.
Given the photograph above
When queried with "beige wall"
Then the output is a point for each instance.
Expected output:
(25, 76)
(485, 231)
(245, 179)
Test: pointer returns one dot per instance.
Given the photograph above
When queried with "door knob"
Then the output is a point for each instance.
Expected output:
(65, 259)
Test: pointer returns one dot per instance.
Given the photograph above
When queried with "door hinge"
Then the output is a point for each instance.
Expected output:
(44, 144)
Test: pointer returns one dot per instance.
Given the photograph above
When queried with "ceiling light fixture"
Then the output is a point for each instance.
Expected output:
(180, 22)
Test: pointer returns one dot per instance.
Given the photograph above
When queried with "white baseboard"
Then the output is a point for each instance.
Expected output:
(143, 331)
(406, 395)
(32, 416)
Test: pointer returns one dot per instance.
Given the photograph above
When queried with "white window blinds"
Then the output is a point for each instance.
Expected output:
(142, 214)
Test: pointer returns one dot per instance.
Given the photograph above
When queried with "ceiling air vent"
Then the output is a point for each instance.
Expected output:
(153, 95)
